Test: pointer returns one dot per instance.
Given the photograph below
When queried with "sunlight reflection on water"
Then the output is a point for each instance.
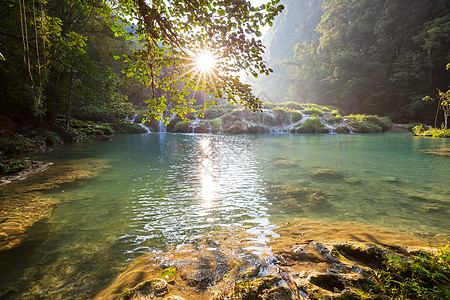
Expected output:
(164, 188)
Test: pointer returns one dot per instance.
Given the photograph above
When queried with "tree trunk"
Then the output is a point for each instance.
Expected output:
(69, 101)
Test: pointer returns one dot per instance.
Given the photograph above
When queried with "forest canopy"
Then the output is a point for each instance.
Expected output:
(63, 57)
(377, 57)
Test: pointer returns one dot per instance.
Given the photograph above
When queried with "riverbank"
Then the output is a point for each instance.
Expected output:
(310, 259)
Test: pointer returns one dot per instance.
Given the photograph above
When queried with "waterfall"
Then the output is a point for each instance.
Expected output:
(142, 124)
(161, 126)
(127, 118)
(342, 123)
(330, 128)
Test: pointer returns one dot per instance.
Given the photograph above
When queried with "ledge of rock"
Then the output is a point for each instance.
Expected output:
(310, 259)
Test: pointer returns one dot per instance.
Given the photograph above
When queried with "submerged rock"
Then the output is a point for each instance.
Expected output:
(296, 197)
(24, 207)
(440, 152)
(285, 163)
(325, 174)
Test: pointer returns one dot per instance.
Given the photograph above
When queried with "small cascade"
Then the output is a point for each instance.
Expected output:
(161, 126)
(305, 117)
(221, 128)
(209, 126)
(348, 127)
(194, 124)
(332, 130)
(145, 127)
(132, 120)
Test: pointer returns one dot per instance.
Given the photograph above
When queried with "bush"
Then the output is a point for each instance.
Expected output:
(182, 126)
(335, 120)
(432, 132)
(369, 123)
(16, 144)
(313, 111)
(126, 127)
(313, 125)
(215, 125)
(51, 138)
(13, 167)
(292, 105)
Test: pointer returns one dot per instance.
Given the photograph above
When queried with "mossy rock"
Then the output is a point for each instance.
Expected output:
(313, 125)
(342, 129)
(257, 129)
(168, 274)
(156, 287)
(277, 293)
(216, 125)
(182, 126)
(202, 126)
(368, 123)
(127, 127)
(13, 167)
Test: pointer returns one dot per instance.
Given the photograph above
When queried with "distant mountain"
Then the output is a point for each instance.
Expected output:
(296, 24)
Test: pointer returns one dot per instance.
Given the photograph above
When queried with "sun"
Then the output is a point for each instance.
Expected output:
(205, 61)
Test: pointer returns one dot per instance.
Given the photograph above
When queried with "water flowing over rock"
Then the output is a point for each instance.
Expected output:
(286, 117)
(308, 259)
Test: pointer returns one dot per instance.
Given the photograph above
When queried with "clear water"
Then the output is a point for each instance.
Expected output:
(163, 188)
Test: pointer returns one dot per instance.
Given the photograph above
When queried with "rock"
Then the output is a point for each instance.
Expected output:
(199, 272)
(173, 297)
(264, 283)
(390, 180)
(352, 180)
(325, 174)
(342, 129)
(156, 287)
(252, 271)
(284, 163)
(440, 152)
(277, 293)
(296, 197)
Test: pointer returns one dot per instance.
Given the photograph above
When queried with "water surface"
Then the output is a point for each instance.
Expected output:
(164, 188)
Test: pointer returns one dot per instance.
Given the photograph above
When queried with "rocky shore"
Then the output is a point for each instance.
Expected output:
(304, 259)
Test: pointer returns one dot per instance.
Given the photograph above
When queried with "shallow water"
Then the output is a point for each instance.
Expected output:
(164, 188)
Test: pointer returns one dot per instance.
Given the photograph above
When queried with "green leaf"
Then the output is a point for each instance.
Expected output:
(116, 57)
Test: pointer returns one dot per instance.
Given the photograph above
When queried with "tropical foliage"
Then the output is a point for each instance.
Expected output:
(378, 57)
